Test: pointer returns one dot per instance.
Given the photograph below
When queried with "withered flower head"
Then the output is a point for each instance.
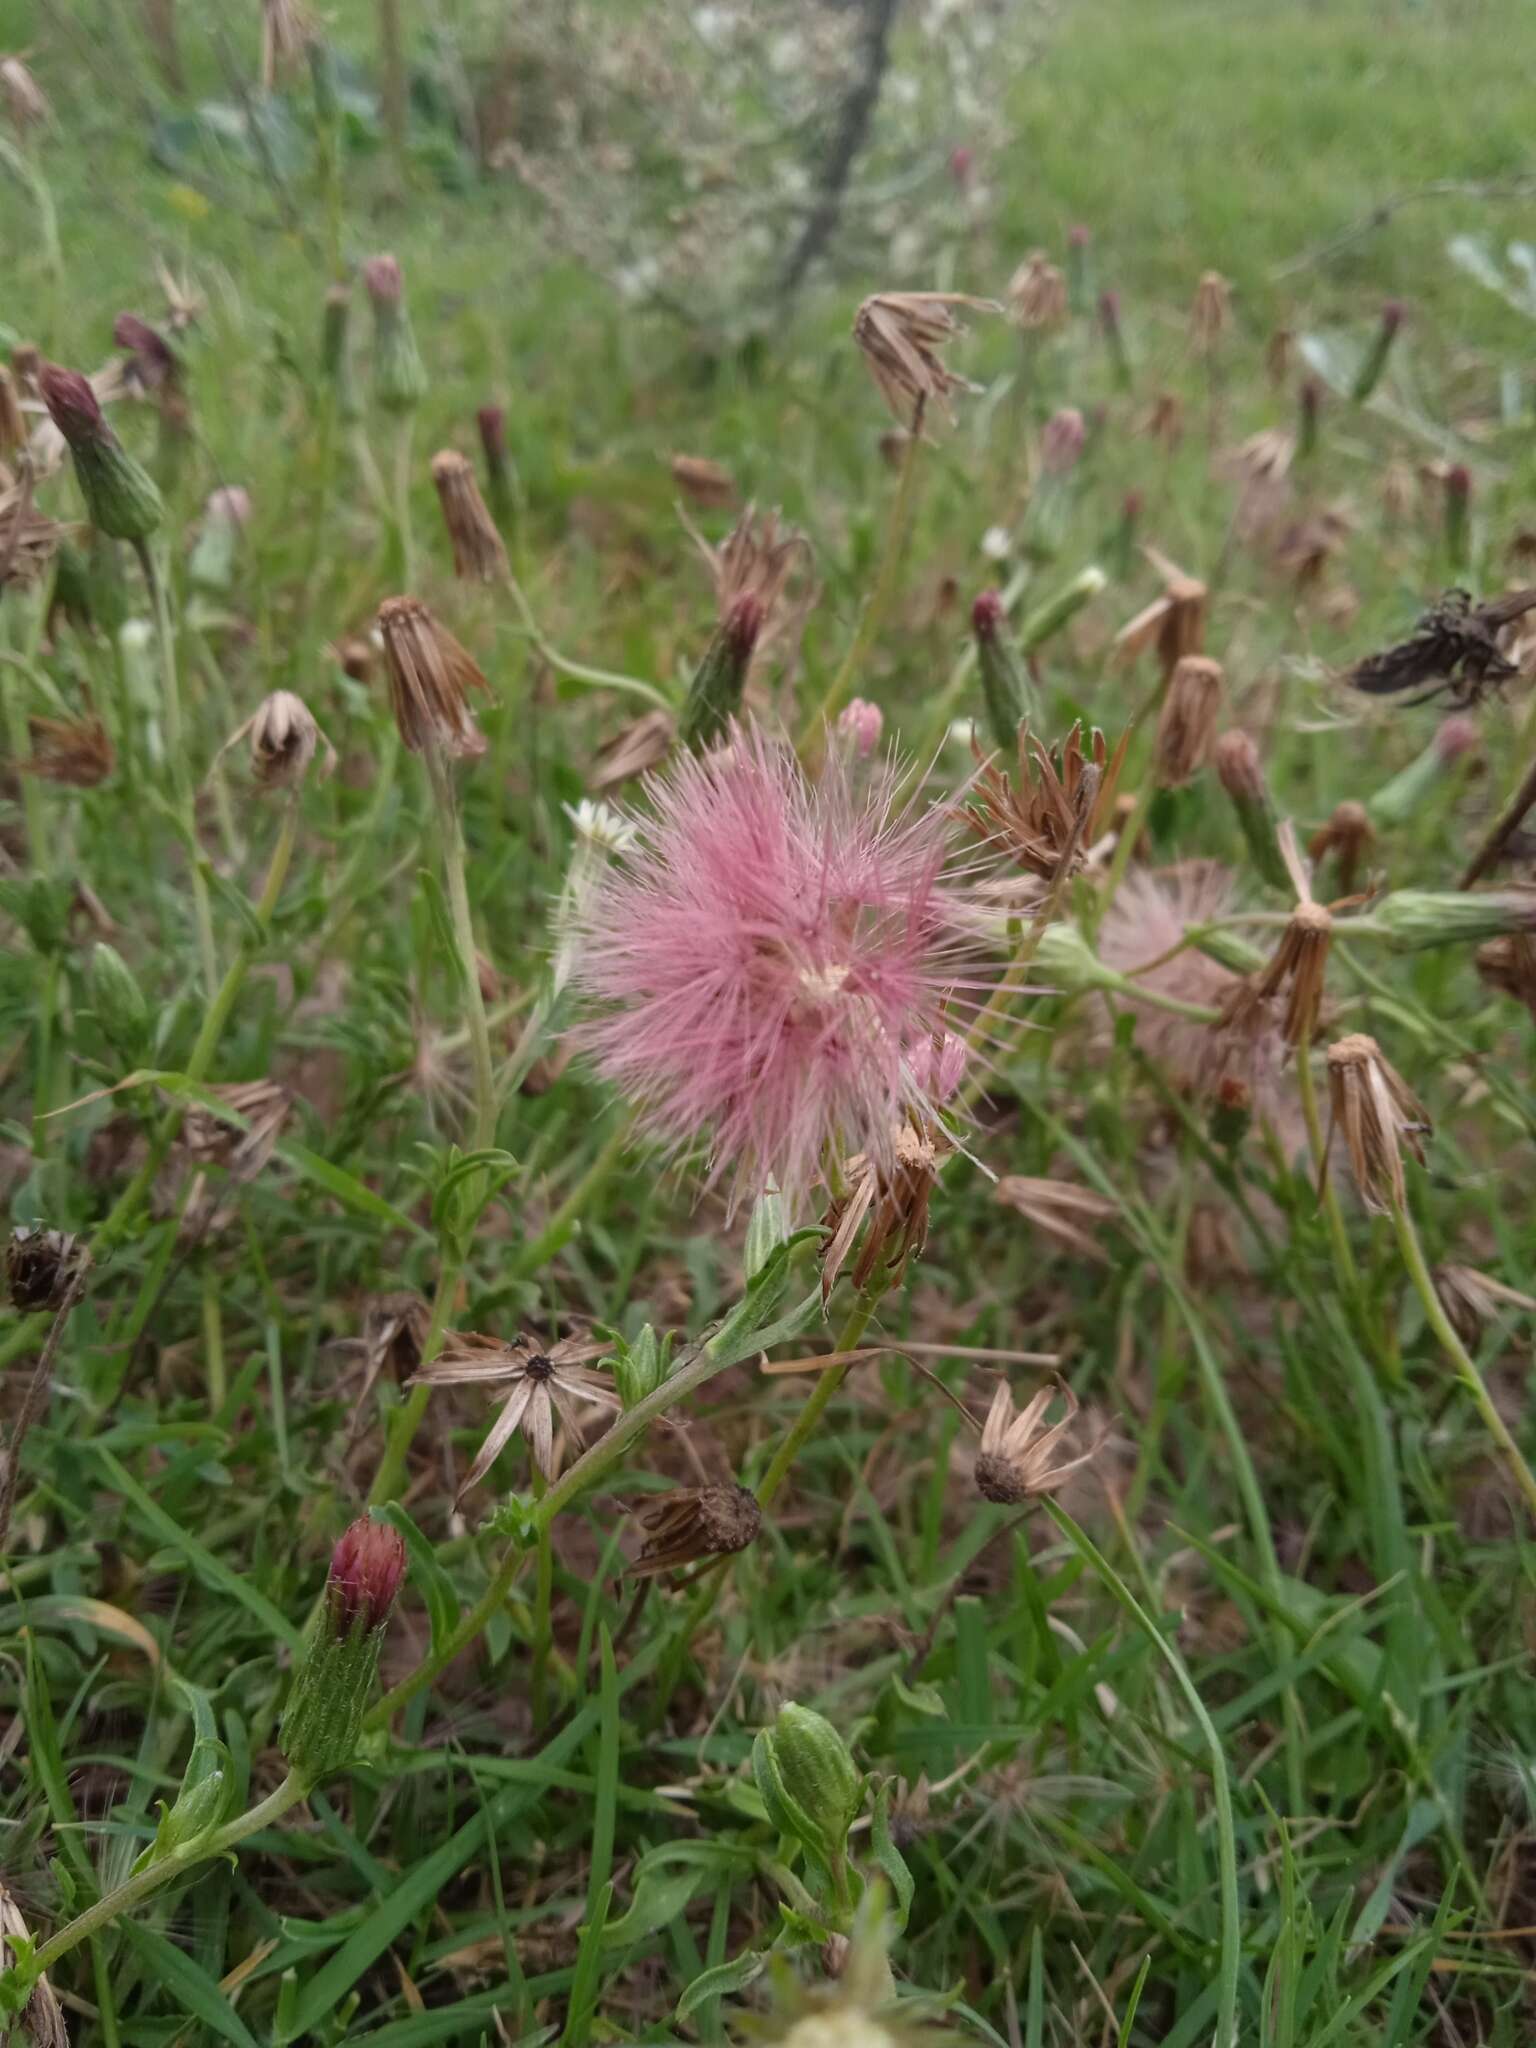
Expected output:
(1060, 1210)
(1015, 1461)
(154, 364)
(1307, 546)
(287, 31)
(1279, 354)
(1054, 807)
(1508, 963)
(643, 744)
(478, 553)
(1348, 835)
(1297, 968)
(29, 540)
(705, 482)
(543, 1387)
(901, 334)
(1037, 295)
(1164, 420)
(356, 655)
(1239, 768)
(212, 1138)
(749, 569)
(284, 740)
(430, 677)
(26, 104)
(1173, 623)
(894, 1198)
(394, 1331)
(13, 423)
(76, 751)
(44, 1268)
(1210, 312)
(1186, 725)
(695, 1523)
(1378, 1114)
(1475, 1300)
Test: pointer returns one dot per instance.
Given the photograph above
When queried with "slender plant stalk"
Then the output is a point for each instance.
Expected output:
(1343, 1258)
(403, 503)
(1125, 845)
(558, 1229)
(873, 616)
(446, 801)
(176, 748)
(32, 1403)
(135, 1890)
(400, 1431)
(599, 678)
(820, 1397)
(1461, 1360)
(543, 1594)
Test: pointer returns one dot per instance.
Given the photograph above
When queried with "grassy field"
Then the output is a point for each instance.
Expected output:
(1228, 1739)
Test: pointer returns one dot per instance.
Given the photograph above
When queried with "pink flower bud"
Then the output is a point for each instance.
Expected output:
(1393, 314)
(862, 724)
(743, 622)
(492, 422)
(367, 1567)
(383, 280)
(1061, 441)
(962, 162)
(71, 404)
(1078, 237)
(1457, 736)
(987, 615)
(939, 1068)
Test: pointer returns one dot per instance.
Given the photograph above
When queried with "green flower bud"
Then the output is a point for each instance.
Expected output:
(119, 493)
(399, 377)
(1005, 682)
(767, 1229)
(335, 358)
(1066, 962)
(640, 1367)
(323, 1719)
(119, 1003)
(1374, 361)
(1413, 919)
(1241, 774)
(714, 697)
(1053, 614)
(808, 1782)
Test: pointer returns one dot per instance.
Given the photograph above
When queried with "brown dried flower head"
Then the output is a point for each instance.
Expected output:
(478, 553)
(430, 678)
(13, 423)
(26, 104)
(894, 1198)
(901, 335)
(1475, 1301)
(1060, 1210)
(153, 365)
(1210, 313)
(1037, 295)
(44, 1268)
(1173, 623)
(1015, 1462)
(695, 1523)
(1279, 355)
(751, 568)
(544, 1387)
(1297, 969)
(1186, 726)
(29, 539)
(707, 483)
(211, 1136)
(284, 740)
(1378, 1115)
(75, 751)
(1508, 963)
(1239, 766)
(1058, 802)
(642, 745)
(1163, 421)
(287, 30)
(1348, 836)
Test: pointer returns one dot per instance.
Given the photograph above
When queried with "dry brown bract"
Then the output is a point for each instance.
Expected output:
(698, 1522)
(705, 482)
(211, 1136)
(1014, 1463)
(430, 678)
(29, 539)
(1378, 1114)
(1509, 965)
(755, 561)
(896, 1201)
(1059, 1210)
(1298, 967)
(641, 746)
(1037, 295)
(1474, 1300)
(284, 740)
(287, 30)
(1186, 725)
(901, 334)
(75, 751)
(478, 553)
(542, 1387)
(43, 1268)
(1055, 807)
(1174, 622)
(26, 105)
(1210, 313)
(1348, 836)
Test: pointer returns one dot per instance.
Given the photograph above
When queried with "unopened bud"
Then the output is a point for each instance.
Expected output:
(399, 378)
(1114, 338)
(1374, 361)
(714, 698)
(1005, 684)
(1241, 774)
(808, 1782)
(1061, 440)
(324, 1715)
(119, 1003)
(1310, 404)
(335, 356)
(491, 423)
(767, 1229)
(1458, 514)
(1413, 920)
(640, 1366)
(1048, 617)
(120, 495)
(861, 724)
(1068, 964)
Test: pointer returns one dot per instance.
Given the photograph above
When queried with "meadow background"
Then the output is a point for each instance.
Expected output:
(1245, 1750)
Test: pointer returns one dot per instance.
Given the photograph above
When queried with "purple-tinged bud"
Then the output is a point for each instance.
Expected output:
(155, 362)
(1114, 338)
(1005, 682)
(491, 421)
(383, 280)
(1457, 735)
(340, 1660)
(1374, 361)
(399, 378)
(1310, 403)
(119, 493)
(367, 1571)
(72, 405)
(962, 165)
(987, 615)
(1061, 441)
(714, 698)
(861, 724)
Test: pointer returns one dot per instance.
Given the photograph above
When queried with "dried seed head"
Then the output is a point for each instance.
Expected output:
(1475, 1301)
(1297, 970)
(1037, 295)
(705, 1521)
(284, 740)
(1239, 768)
(1509, 965)
(430, 678)
(1210, 313)
(288, 30)
(750, 569)
(894, 1197)
(26, 104)
(1348, 836)
(478, 553)
(74, 751)
(1279, 354)
(1186, 726)
(210, 1138)
(29, 540)
(641, 746)
(1378, 1115)
(1071, 1217)
(1054, 807)
(1173, 623)
(43, 1268)
(705, 482)
(900, 335)
(1017, 1458)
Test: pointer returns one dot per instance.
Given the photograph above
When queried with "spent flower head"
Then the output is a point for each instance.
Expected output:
(543, 1387)
(901, 335)
(43, 1268)
(430, 678)
(772, 959)
(1037, 295)
(695, 1523)
(478, 552)
(283, 742)
(1018, 1460)
(1378, 1116)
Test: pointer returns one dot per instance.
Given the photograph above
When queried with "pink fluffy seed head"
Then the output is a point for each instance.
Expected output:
(861, 724)
(769, 966)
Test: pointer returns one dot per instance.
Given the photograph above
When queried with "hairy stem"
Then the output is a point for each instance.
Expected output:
(176, 748)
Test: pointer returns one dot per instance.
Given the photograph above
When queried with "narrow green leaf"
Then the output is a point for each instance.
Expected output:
(193, 1989)
(427, 1574)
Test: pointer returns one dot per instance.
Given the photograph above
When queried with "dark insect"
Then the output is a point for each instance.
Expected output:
(1453, 647)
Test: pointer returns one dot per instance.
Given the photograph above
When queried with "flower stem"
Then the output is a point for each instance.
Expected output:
(404, 1421)
(176, 748)
(543, 1593)
(557, 1230)
(820, 1397)
(1461, 1360)
(444, 798)
(130, 1894)
(873, 616)
(403, 504)
(599, 678)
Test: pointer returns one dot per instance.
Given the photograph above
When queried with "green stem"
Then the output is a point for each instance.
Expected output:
(176, 749)
(400, 1431)
(1230, 1952)
(403, 504)
(543, 1595)
(558, 1229)
(821, 1396)
(1343, 1257)
(1125, 845)
(1461, 1360)
(136, 1889)
(446, 801)
(599, 678)
(873, 615)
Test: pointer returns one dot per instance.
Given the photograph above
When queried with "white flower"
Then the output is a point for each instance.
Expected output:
(601, 825)
(997, 543)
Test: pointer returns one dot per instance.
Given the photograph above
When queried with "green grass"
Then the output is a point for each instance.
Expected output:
(1234, 1744)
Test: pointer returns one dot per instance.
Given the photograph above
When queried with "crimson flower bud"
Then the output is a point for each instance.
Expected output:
(340, 1660)
(120, 495)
